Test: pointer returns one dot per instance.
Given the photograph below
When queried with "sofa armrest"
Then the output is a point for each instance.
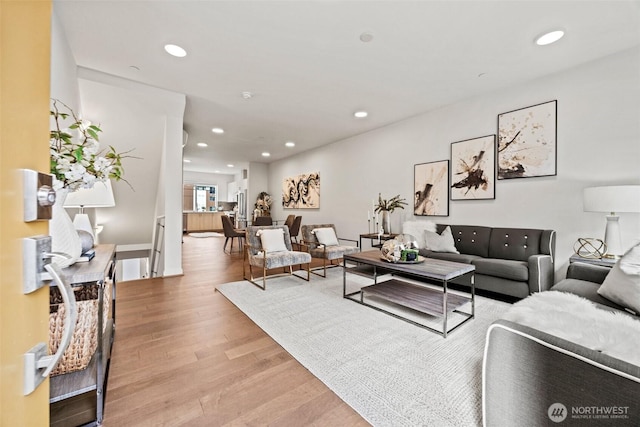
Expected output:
(587, 272)
(541, 274)
(526, 371)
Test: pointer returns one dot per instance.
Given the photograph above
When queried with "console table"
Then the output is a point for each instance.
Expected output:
(77, 398)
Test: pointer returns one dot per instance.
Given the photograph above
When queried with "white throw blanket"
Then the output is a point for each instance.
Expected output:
(580, 321)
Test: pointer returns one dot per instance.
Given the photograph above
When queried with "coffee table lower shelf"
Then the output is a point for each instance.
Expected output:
(423, 299)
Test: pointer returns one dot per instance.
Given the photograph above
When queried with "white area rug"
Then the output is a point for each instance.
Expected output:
(391, 372)
(206, 234)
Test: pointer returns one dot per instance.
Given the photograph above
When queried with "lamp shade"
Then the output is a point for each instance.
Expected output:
(617, 198)
(99, 196)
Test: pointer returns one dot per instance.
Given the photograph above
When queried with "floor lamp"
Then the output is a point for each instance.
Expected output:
(99, 196)
(612, 199)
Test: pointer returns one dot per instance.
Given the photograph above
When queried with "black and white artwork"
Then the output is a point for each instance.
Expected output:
(431, 189)
(527, 141)
(473, 169)
(301, 192)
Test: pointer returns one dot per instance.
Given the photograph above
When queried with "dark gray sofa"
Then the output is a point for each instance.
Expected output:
(526, 371)
(510, 261)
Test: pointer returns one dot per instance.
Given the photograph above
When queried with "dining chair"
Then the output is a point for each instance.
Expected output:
(294, 230)
(289, 221)
(230, 232)
(262, 220)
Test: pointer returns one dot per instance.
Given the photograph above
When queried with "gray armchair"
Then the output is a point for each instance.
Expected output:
(265, 251)
(326, 252)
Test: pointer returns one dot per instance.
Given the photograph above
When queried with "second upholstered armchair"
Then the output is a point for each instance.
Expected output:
(322, 242)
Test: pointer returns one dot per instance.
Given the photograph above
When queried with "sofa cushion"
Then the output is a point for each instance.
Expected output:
(585, 289)
(508, 269)
(514, 243)
(440, 242)
(470, 239)
(326, 236)
(621, 287)
(272, 240)
(333, 252)
(447, 256)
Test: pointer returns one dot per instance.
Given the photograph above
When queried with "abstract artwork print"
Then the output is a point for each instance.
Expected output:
(301, 192)
(473, 169)
(431, 189)
(527, 141)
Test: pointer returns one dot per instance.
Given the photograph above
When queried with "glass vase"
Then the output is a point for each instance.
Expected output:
(386, 222)
(64, 237)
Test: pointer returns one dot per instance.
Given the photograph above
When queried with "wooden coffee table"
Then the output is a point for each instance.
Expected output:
(425, 298)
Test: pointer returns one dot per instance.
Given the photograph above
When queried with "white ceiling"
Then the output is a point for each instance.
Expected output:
(309, 71)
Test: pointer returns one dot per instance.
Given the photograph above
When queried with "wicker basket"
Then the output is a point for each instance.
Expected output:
(85, 336)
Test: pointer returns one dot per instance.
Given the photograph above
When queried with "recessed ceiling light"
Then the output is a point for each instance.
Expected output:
(229, 165)
(186, 160)
(366, 37)
(175, 50)
(290, 144)
(217, 130)
(202, 144)
(265, 154)
(216, 171)
(550, 37)
(360, 114)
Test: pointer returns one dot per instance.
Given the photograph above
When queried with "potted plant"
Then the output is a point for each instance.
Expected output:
(76, 161)
(386, 207)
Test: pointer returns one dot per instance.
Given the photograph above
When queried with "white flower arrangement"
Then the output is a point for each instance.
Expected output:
(77, 162)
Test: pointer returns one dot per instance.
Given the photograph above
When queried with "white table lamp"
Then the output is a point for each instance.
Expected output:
(612, 199)
(99, 196)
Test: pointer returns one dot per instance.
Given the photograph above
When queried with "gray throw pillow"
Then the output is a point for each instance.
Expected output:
(622, 284)
(440, 242)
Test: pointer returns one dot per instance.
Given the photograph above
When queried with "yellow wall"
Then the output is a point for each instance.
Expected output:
(25, 43)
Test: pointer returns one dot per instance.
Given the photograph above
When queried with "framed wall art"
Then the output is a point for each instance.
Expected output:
(527, 141)
(473, 169)
(301, 192)
(431, 189)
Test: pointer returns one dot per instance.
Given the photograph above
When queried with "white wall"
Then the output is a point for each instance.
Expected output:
(64, 79)
(257, 182)
(598, 144)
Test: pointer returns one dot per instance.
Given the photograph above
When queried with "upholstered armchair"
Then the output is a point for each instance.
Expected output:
(268, 248)
(323, 242)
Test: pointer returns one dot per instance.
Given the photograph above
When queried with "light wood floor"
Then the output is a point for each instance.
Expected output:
(184, 355)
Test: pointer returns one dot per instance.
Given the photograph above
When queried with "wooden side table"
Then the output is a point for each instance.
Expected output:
(374, 236)
(605, 262)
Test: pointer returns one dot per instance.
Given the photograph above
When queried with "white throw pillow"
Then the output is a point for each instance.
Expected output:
(326, 236)
(417, 229)
(273, 240)
(440, 242)
(621, 287)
